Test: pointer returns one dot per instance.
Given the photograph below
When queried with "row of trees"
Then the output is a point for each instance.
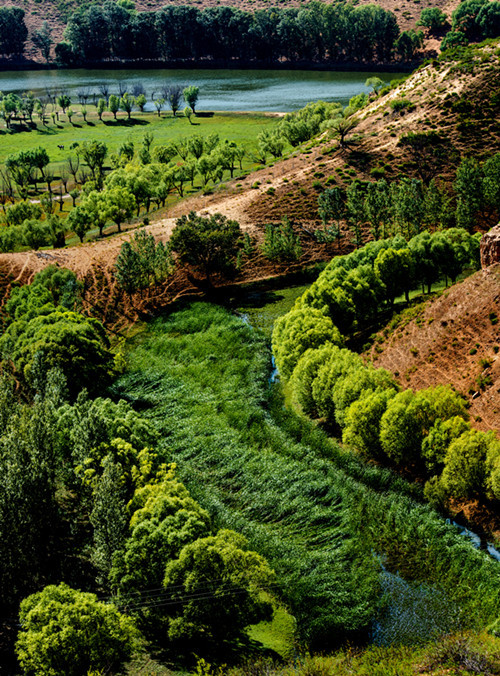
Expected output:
(317, 32)
(409, 206)
(427, 431)
(472, 21)
(22, 108)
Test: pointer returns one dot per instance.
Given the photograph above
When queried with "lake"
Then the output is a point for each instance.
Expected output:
(231, 90)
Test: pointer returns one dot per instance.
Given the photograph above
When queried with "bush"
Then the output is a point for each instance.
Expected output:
(207, 242)
(68, 633)
(281, 244)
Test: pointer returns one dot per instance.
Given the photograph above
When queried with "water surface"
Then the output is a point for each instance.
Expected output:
(231, 90)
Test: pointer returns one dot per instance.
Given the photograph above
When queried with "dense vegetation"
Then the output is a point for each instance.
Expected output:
(316, 33)
(85, 495)
(427, 431)
(315, 511)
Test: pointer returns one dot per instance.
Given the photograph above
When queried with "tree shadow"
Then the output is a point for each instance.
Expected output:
(125, 123)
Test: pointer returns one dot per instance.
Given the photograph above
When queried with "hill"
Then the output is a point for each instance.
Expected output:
(456, 98)
(453, 339)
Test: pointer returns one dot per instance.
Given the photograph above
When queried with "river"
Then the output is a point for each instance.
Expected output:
(230, 90)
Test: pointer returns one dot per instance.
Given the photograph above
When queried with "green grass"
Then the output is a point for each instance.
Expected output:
(316, 511)
(239, 127)
(264, 309)
(277, 635)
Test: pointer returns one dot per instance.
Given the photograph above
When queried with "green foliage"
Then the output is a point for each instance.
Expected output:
(465, 472)
(375, 83)
(52, 287)
(191, 96)
(209, 243)
(432, 18)
(208, 572)
(453, 39)
(312, 509)
(142, 262)
(64, 339)
(16, 214)
(281, 244)
(165, 518)
(67, 633)
(362, 422)
(299, 330)
(409, 418)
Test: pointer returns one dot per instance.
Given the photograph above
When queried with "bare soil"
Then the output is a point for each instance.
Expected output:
(454, 340)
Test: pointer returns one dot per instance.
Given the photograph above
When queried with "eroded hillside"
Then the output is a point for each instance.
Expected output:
(453, 339)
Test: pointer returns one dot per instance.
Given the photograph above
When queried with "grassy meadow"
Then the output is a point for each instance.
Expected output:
(241, 128)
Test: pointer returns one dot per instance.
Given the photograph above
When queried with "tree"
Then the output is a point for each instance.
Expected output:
(378, 207)
(281, 244)
(331, 208)
(66, 632)
(453, 39)
(362, 423)
(306, 371)
(142, 262)
(375, 83)
(409, 418)
(342, 127)
(469, 189)
(114, 104)
(491, 182)
(210, 243)
(67, 340)
(432, 18)
(297, 331)
(35, 234)
(191, 96)
(428, 150)
(436, 443)
(395, 269)
(355, 208)
(126, 104)
(408, 43)
(13, 31)
(43, 41)
(270, 142)
(93, 154)
(80, 221)
(109, 516)
(120, 205)
(101, 107)
(202, 581)
(159, 103)
(465, 470)
(140, 102)
(173, 95)
(64, 101)
(165, 518)
(96, 204)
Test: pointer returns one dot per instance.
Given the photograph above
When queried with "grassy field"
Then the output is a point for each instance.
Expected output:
(242, 128)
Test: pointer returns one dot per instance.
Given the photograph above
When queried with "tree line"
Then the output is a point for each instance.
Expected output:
(315, 33)
(427, 431)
